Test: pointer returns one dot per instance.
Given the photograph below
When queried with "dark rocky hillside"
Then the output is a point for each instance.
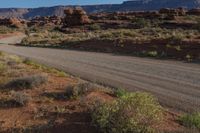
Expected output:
(125, 6)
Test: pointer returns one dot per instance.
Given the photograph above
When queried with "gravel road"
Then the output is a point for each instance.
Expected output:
(176, 84)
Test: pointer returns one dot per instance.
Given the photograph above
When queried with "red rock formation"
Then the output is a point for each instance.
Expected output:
(12, 22)
(176, 12)
(75, 17)
(49, 20)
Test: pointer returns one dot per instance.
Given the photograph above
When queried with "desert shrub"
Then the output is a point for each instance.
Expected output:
(118, 34)
(94, 27)
(5, 30)
(2, 67)
(27, 32)
(131, 113)
(189, 57)
(175, 38)
(152, 53)
(20, 98)
(14, 58)
(27, 82)
(25, 41)
(74, 91)
(141, 23)
(44, 37)
(27, 61)
(1, 54)
(12, 63)
(119, 92)
(191, 120)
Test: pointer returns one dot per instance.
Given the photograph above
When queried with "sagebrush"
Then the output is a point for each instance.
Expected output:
(131, 113)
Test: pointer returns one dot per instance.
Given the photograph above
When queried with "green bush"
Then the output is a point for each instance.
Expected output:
(152, 53)
(131, 113)
(74, 91)
(94, 27)
(119, 92)
(141, 23)
(175, 38)
(191, 120)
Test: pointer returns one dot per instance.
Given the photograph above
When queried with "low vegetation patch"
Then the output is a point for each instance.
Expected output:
(1, 54)
(53, 105)
(74, 91)
(20, 98)
(28, 82)
(119, 92)
(132, 112)
(44, 68)
(125, 41)
(2, 67)
(94, 27)
(14, 99)
(141, 23)
(191, 120)
(5, 30)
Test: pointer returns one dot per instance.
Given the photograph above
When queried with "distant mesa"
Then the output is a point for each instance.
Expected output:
(77, 16)
(133, 5)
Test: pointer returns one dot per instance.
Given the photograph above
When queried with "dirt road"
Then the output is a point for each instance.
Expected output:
(176, 84)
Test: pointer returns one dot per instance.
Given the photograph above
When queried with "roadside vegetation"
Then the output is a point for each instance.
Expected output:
(36, 98)
(135, 35)
(191, 120)
(162, 35)
(140, 37)
(132, 112)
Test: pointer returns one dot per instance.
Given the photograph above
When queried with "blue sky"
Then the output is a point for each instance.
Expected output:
(41, 3)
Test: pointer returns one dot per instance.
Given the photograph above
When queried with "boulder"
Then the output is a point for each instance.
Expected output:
(75, 17)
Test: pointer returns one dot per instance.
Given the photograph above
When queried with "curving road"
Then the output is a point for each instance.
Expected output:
(176, 84)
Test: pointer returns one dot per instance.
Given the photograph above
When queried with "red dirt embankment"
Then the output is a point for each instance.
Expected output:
(9, 35)
(176, 49)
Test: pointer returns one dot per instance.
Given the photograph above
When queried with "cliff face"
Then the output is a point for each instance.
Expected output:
(13, 12)
(157, 4)
(134, 5)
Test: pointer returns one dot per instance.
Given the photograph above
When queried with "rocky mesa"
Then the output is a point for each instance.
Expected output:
(132, 5)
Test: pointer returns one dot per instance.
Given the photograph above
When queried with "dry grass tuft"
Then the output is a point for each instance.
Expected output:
(28, 82)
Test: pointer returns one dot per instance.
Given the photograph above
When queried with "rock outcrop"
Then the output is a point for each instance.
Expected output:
(127, 5)
(41, 21)
(176, 12)
(11, 22)
(75, 17)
